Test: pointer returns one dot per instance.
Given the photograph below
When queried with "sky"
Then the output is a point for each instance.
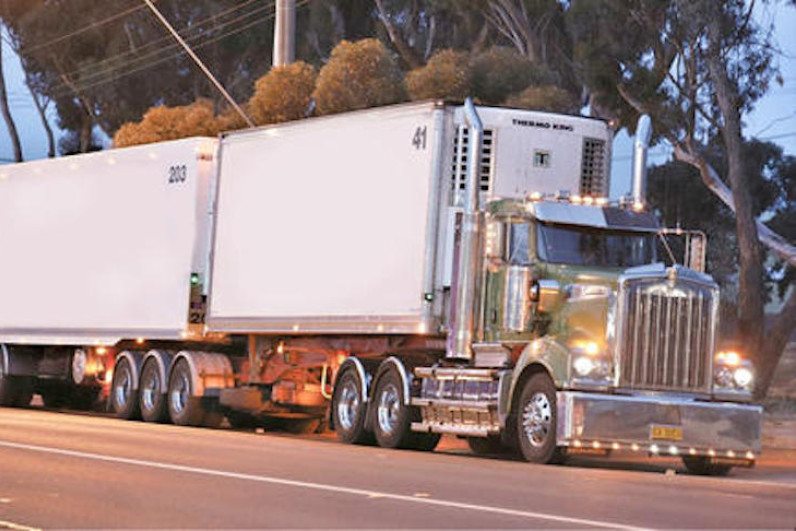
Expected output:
(774, 117)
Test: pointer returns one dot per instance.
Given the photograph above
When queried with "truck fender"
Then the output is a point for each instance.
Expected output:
(163, 359)
(400, 367)
(541, 355)
(210, 372)
(353, 363)
(406, 378)
(135, 359)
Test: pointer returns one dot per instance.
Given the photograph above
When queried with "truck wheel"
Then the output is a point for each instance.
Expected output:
(491, 445)
(393, 418)
(15, 391)
(150, 398)
(701, 466)
(184, 408)
(124, 399)
(349, 410)
(536, 420)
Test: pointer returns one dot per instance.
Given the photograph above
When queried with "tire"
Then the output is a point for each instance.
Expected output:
(124, 399)
(184, 408)
(151, 400)
(536, 420)
(15, 391)
(701, 466)
(392, 418)
(491, 445)
(349, 410)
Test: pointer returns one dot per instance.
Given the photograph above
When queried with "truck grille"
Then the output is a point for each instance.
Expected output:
(666, 335)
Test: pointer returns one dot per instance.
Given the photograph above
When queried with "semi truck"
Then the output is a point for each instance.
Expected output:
(395, 274)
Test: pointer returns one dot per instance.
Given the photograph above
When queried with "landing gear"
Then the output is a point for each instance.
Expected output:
(536, 421)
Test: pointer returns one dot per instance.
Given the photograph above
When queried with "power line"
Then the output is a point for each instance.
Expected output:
(84, 29)
(195, 27)
(110, 73)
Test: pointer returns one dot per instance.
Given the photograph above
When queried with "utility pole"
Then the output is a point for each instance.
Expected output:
(284, 33)
(199, 62)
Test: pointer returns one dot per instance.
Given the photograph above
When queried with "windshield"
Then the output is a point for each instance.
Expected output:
(592, 247)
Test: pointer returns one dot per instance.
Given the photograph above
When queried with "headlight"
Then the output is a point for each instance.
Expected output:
(732, 372)
(590, 362)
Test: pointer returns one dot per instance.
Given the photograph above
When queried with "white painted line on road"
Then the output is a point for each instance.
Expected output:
(321, 486)
(16, 527)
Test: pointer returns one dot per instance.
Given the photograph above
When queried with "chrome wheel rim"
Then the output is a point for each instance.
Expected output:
(348, 406)
(179, 393)
(150, 389)
(389, 407)
(123, 387)
(537, 419)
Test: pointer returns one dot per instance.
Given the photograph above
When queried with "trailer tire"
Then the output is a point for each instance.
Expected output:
(15, 391)
(184, 408)
(392, 418)
(151, 400)
(124, 398)
(537, 420)
(349, 410)
(701, 466)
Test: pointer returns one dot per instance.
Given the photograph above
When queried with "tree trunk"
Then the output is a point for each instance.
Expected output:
(6, 112)
(404, 50)
(750, 294)
(776, 339)
(42, 110)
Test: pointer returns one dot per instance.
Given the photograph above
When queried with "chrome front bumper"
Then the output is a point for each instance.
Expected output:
(658, 425)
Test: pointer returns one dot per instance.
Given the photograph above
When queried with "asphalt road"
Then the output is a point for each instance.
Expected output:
(76, 471)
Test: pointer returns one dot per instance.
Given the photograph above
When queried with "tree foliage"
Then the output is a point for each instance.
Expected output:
(283, 94)
(169, 123)
(545, 98)
(358, 75)
(447, 75)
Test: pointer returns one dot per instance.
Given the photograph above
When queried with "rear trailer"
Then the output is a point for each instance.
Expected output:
(103, 251)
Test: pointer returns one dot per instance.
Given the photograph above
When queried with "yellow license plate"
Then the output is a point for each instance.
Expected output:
(671, 433)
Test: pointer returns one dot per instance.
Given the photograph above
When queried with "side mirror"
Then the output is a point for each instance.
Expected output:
(545, 293)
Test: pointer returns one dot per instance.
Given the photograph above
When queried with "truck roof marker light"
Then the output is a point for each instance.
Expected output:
(576, 199)
(654, 449)
(588, 200)
(535, 196)
(139, 341)
(673, 450)
(422, 328)
(596, 445)
(634, 447)
(380, 328)
(576, 443)
(295, 328)
(730, 453)
(692, 451)
(601, 201)
(712, 452)
(638, 206)
(750, 455)
(615, 446)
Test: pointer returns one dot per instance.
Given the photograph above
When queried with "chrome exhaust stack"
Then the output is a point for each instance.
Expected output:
(460, 338)
(640, 148)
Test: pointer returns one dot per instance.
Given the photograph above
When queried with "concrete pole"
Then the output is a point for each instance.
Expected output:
(284, 33)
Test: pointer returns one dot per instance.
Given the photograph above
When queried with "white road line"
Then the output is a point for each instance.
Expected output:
(320, 486)
(16, 527)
